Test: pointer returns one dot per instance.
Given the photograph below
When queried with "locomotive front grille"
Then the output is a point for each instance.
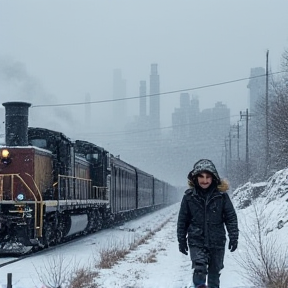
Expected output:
(9, 196)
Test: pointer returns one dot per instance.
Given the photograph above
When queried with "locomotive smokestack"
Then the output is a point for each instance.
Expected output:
(16, 123)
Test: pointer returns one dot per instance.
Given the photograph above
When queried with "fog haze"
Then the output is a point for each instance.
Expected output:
(58, 52)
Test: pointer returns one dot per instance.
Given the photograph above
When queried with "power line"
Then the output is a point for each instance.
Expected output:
(117, 133)
(157, 94)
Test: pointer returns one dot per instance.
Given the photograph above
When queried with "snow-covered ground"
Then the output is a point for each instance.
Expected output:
(167, 267)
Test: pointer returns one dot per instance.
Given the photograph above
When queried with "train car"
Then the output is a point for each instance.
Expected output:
(159, 192)
(122, 186)
(53, 189)
(144, 190)
(172, 194)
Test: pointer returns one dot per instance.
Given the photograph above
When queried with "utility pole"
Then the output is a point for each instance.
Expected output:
(226, 164)
(238, 136)
(230, 148)
(246, 115)
(267, 119)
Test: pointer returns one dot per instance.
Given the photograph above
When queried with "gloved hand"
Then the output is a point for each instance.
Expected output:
(232, 245)
(183, 248)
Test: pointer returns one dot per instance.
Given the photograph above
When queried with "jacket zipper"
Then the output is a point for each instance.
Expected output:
(207, 201)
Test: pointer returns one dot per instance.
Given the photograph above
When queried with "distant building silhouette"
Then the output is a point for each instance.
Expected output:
(194, 134)
(119, 92)
(200, 133)
(155, 99)
(143, 122)
(181, 117)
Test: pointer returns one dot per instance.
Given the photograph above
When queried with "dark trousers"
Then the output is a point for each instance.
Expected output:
(207, 261)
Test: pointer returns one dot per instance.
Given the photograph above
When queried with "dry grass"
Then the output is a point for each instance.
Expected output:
(112, 255)
(58, 273)
(84, 278)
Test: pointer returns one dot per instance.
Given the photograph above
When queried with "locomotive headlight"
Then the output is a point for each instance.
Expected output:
(5, 157)
(5, 153)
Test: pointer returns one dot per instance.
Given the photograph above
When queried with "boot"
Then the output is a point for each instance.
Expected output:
(199, 279)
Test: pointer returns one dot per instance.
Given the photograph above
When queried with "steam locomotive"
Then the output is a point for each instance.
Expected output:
(53, 189)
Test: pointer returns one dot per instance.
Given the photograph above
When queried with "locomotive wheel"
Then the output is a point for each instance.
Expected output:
(99, 220)
(49, 237)
(58, 236)
(93, 221)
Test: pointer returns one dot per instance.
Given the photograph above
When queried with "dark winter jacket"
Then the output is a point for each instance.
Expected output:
(203, 217)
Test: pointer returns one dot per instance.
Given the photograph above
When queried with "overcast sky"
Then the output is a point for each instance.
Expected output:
(70, 48)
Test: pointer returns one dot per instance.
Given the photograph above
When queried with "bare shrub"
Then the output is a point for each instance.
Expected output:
(55, 272)
(264, 260)
(58, 273)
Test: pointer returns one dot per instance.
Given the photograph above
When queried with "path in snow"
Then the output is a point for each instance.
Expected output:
(171, 269)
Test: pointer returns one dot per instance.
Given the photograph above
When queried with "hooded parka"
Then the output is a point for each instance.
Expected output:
(203, 214)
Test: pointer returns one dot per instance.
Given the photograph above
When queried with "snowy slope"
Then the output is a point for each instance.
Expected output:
(271, 202)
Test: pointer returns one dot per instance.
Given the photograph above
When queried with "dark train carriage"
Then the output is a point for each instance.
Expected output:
(172, 194)
(123, 186)
(159, 192)
(144, 189)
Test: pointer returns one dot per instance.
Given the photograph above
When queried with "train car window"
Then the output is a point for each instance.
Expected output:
(41, 143)
(89, 157)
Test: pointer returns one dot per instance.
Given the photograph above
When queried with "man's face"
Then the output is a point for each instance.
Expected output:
(204, 180)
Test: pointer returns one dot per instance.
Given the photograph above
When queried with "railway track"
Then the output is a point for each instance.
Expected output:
(5, 261)
(10, 260)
